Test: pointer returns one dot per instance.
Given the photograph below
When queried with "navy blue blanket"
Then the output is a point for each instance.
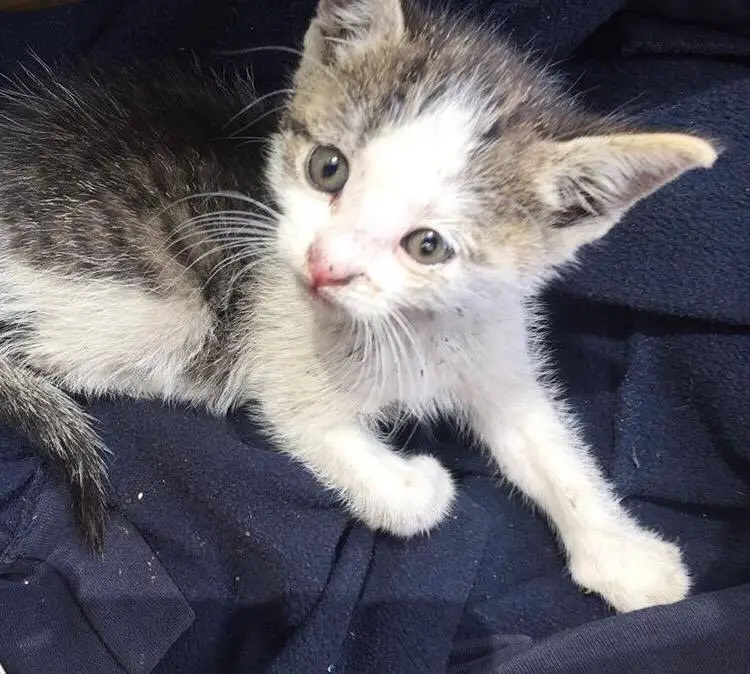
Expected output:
(226, 557)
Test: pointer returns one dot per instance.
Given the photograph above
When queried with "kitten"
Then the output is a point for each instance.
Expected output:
(426, 181)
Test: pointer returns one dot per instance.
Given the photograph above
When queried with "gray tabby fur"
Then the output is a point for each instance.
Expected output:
(146, 250)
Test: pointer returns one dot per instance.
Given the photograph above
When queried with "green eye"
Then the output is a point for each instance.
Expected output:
(327, 169)
(426, 246)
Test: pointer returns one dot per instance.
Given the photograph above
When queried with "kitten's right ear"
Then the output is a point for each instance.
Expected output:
(342, 25)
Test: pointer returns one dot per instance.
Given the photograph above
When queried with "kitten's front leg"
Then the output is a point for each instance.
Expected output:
(535, 443)
(404, 496)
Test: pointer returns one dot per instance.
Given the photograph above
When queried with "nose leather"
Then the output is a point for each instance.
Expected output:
(323, 273)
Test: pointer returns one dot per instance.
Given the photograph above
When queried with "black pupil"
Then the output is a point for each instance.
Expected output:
(330, 167)
(429, 244)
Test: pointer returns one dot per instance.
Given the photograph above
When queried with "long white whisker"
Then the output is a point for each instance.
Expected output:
(226, 235)
(229, 226)
(415, 351)
(229, 213)
(372, 358)
(216, 250)
(200, 238)
(219, 195)
(236, 257)
(248, 139)
(393, 362)
(249, 200)
(406, 442)
(259, 244)
(295, 52)
(207, 221)
(360, 343)
(375, 358)
(258, 100)
(403, 360)
(266, 47)
(257, 119)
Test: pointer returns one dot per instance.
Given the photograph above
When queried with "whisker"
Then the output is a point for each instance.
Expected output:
(219, 216)
(236, 257)
(406, 327)
(205, 255)
(259, 244)
(392, 355)
(263, 115)
(216, 250)
(410, 437)
(230, 225)
(258, 100)
(296, 52)
(403, 358)
(219, 195)
(248, 139)
(227, 229)
(235, 213)
(228, 235)
(267, 47)
(375, 358)
(360, 346)
(255, 202)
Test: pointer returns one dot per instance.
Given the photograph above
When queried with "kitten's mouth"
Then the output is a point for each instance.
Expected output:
(323, 293)
(318, 294)
(328, 284)
(326, 291)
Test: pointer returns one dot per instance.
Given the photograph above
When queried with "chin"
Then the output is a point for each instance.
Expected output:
(356, 304)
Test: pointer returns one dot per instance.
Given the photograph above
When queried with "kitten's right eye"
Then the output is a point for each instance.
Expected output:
(327, 169)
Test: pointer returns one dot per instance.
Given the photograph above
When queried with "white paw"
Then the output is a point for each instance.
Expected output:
(409, 496)
(631, 569)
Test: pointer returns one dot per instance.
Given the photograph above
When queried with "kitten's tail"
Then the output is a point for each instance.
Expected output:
(55, 424)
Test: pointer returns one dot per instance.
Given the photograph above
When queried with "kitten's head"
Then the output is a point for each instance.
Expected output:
(422, 161)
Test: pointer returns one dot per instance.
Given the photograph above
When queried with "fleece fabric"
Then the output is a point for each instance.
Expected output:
(225, 557)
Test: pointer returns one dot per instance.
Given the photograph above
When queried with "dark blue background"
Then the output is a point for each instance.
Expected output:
(230, 554)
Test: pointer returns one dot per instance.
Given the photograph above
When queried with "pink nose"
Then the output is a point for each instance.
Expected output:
(323, 273)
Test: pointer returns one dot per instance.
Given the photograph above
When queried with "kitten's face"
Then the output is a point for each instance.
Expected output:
(422, 162)
(396, 231)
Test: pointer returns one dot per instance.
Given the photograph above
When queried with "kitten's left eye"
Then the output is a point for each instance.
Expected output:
(327, 169)
(426, 246)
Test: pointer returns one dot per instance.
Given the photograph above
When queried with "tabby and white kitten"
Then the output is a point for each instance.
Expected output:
(426, 180)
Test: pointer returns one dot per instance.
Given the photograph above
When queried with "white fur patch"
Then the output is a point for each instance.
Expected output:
(101, 335)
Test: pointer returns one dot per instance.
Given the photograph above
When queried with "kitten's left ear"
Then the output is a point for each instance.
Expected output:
(589, 183)
(342, 24)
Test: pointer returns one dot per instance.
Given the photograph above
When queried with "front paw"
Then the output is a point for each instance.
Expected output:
(631, 569)
(406, 497)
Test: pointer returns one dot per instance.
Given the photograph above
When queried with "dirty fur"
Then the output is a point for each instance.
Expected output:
(157, 239)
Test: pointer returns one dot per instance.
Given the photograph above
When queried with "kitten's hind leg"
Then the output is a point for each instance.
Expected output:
(57, 426)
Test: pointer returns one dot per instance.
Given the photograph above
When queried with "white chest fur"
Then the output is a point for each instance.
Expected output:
(428, 362)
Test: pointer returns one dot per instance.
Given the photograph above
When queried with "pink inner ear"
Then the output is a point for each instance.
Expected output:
(608, 174)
